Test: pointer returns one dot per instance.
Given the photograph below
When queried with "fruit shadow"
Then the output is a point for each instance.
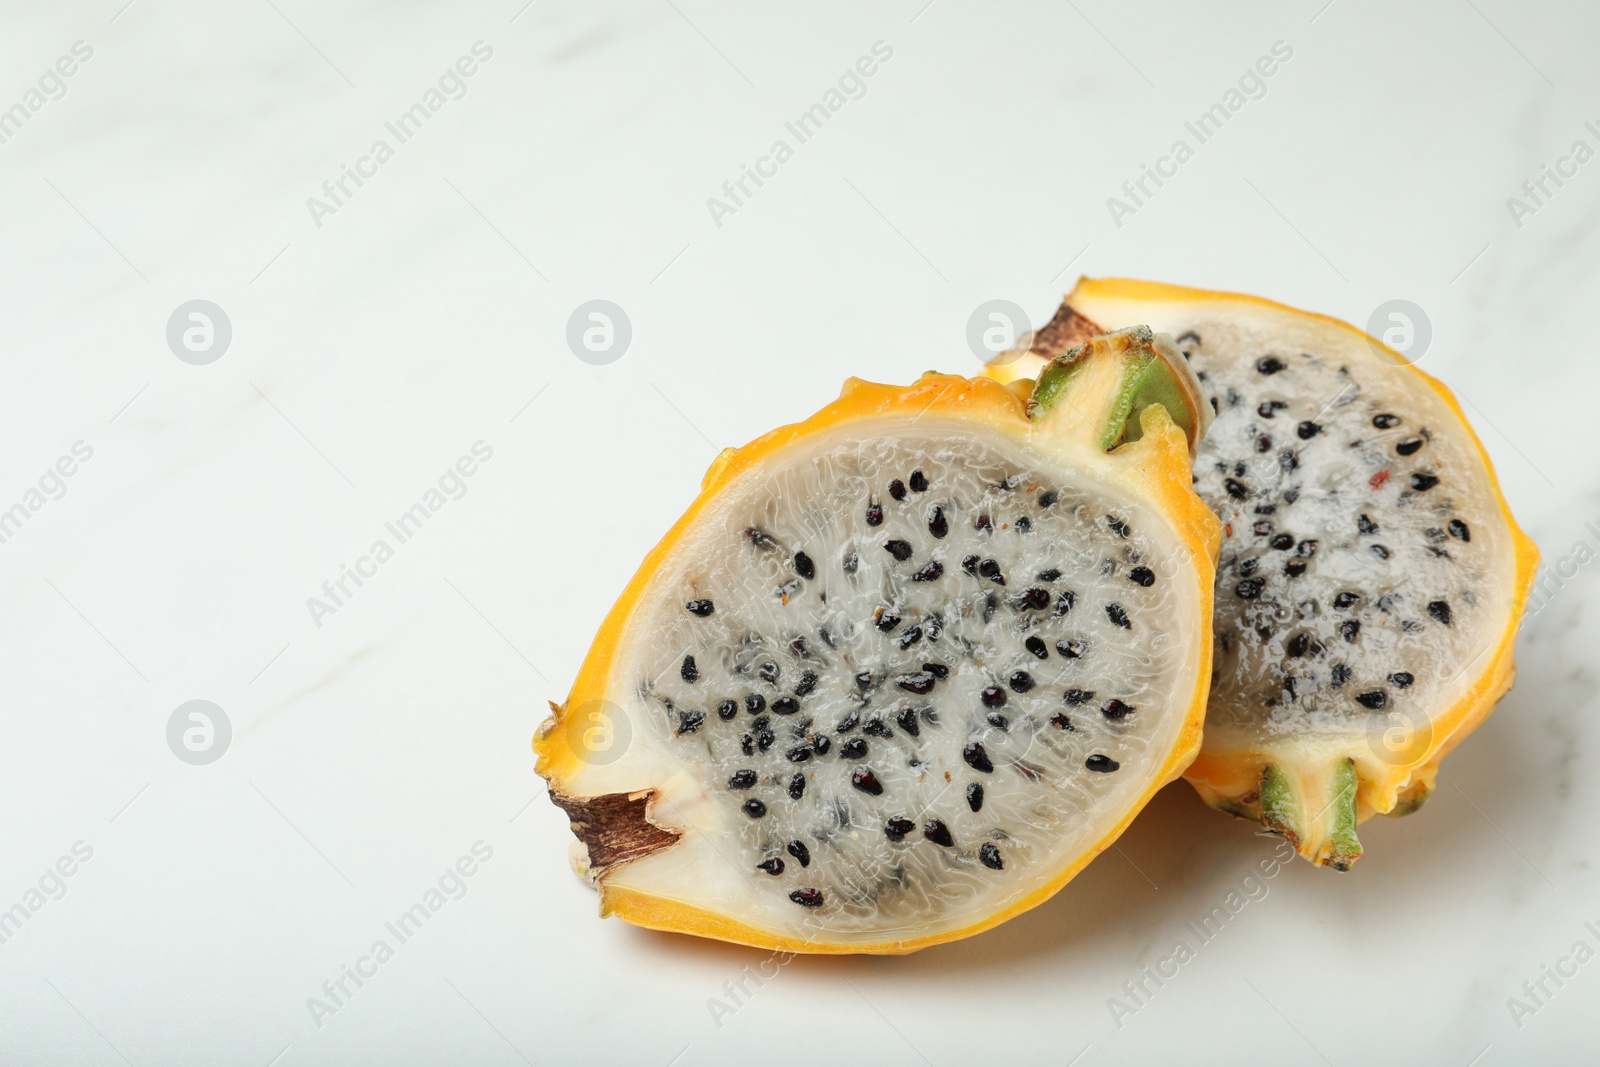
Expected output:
(1177, 858)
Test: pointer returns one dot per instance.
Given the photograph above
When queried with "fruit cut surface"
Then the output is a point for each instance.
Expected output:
(898, 674)
(1371, 577)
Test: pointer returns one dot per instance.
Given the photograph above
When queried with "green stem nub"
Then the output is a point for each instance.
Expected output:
(1316, 810)
(1110, 379)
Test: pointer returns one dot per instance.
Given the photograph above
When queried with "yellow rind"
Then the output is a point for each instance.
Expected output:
(1158, 464)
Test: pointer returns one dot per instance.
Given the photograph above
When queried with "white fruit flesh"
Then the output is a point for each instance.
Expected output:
(1381, 494)
(1042, 808)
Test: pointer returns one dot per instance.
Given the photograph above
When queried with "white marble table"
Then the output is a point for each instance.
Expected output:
(383, 331)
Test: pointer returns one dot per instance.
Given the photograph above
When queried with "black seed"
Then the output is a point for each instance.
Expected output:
(727, 710)
(1247, 567)
(977, 758)
(850, 721)
(1021, 682)
(1266, 410)
(984, 524)
(1423, 482)
(804, 567)
(909, 637)
(991, 570)
(897, 828)
(1288, 460)
(1402, 679)
(798, 850)
(1076, 697)
(1263, 443)
(1071, 649)
(1064, 602)
(989, 606)
(1236, 489)
(974, 796)
(969, 564)
(1036, 645)
(1409, 446)
(900, 550)
(1102, 764)
(701, 608)
(764, 740)
(897, 489)
(931, 572)
(936, 522)
(1270, 365)
(1440, 610)
(1115, 613)
(1115, 709)
(990, 857)
(863, 779)
(1381, 551)
(1307, 430)
(1060, 721)
(1215, 410)
(920, 682)
(855, 748)
(1250, 588)
(907, 718)
(748, 745)
(938, 833)
(798, 754)
(1262, 529)
(1294, 568)
(807, 683)
(1306, 548)
(877, 728)
(1118, 526)
(1434, 535)
(753, 808)
(938, 670)
(807, 898)
(1035, 598)
(993, 696)
(768, 672)
(1350, 629)
(1459, 529)
(760, 539)
(774, 866)
(1023, 525)
(1386, 422)
(886, 622)
(1282, 541)
(1345, 599)
(1142, 576)
(755, 703)
(690, 721)
(1297, 645)
(742, 780)
(1372, 699)
(821, 744)
(874, 514)
(1291, 495)
(1048, 498)
(1264, 631)
(785, 706)
(918, 483)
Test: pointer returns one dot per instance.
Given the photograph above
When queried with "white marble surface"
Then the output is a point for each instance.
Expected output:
(371, 752)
